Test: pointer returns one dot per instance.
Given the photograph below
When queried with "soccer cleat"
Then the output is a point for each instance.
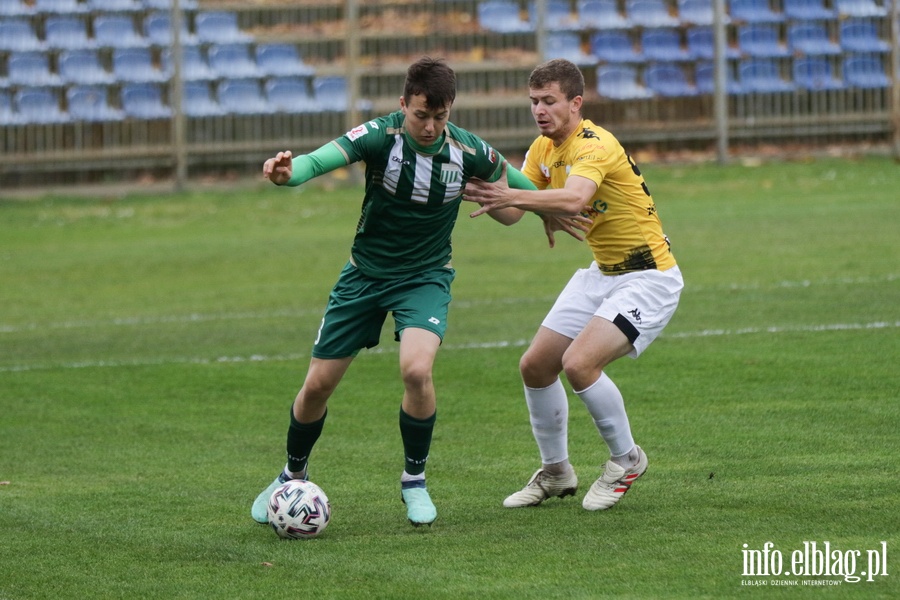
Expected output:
(259, 510)
(613, 484)
(543, 485)
(420, 509)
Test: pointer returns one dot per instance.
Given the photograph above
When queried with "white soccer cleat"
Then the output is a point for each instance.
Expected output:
(613, 484)
(542, 486)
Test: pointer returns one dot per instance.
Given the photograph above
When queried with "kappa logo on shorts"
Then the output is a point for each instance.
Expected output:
(636, 314)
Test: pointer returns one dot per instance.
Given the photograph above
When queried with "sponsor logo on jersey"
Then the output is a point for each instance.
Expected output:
(357, 132)
(450, 173)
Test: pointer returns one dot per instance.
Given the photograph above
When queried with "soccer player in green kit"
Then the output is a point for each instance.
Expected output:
(417, 164)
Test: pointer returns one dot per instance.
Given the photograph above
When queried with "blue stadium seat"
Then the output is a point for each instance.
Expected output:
(808, 10)
(614, 46)
(243, 96)
(601, 14)
(502, 16)
(695, 12)
(135, 64)
(217, 27)
(762, 75)
(167, 4)
(865, 71)
(754, 11)
(17, 35)
(194, 66)
(620, 82)
(144, 101)
(197, 101)
(90, 103)
(860, 8)
(701, 44)
(117, 31)
(282, 60)
(558, 16)
(663, 45)
(567, 44)
(649, 13)
(332, 95)
(111, 6)
(157, 28)
(761, 40)
(814, 73)
(811, 38)
(39, 105)
(668, 80)
(704, 79)
(31, 69)
(234, 61)
(861, 35)
(60, 7)
(291, 95)
(83, 67)
(15, 8)
(66, 32)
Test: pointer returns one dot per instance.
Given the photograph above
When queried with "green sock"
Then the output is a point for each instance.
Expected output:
(416, 436)
(301, 438)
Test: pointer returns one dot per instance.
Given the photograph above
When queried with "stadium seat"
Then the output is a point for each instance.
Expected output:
(862, 36)
(242, 96)
(614, 46)
(601, 14)
(860, 8)
(31, 69)
(620, 82)
(66, 32)
(219, 28)
(701, 44)
(558, 16)
(761, 40)
(83, 67)
(198, 102)
(753, 11)
(669, 80)
(135, 64)
(291, 95)
(144, 101)
(167, 4)
(811, 38)
(39, 105)
(704, 79)
(60, 7)
(502, 16)
(17, 35)
(808, 10)
(194, 66)
(331, 93)
(282, 60)
(90, 103)
(567, 44)
(695, 12)
(663, 45)
(649, 13)
(111, 6)
(117, 31)
(15, 8)
(234, 61)
(865, 71)
(814, 73)
(157, 29)
(762, 75)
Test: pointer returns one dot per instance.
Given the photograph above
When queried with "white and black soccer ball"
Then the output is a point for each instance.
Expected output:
(299, 509)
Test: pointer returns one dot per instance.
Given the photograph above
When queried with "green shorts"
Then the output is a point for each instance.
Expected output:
(358, 306)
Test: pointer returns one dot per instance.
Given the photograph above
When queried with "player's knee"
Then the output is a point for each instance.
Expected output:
(416, 375)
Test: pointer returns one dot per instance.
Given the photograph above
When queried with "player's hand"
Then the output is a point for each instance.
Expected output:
(490, 196)
(575, 226)
(278, 170)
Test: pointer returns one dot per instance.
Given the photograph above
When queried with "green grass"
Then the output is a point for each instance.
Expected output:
(150, 348)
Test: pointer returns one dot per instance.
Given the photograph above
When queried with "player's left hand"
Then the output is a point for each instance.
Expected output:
(489, 195)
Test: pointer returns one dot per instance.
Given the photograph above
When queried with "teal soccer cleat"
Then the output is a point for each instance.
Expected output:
(259, 510)
(420, 509)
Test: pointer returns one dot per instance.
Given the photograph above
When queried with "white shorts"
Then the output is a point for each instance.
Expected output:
(639, 303)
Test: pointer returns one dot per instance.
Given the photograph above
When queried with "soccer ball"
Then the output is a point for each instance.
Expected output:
(299, 509)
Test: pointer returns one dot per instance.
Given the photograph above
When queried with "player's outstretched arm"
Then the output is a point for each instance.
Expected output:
(279, 169)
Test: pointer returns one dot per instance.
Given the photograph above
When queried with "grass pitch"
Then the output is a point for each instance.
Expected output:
(150, 348)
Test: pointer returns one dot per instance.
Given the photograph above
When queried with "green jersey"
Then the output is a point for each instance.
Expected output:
(412, 194)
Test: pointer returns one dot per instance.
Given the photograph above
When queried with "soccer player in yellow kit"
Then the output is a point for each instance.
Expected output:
(613, 308)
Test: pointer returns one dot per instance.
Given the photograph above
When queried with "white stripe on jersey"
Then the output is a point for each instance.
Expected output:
(422, 184)
(393, 169)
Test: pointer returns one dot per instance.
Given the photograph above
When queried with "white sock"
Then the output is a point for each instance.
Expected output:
(604, 401)
(548, 409)
(407, 477)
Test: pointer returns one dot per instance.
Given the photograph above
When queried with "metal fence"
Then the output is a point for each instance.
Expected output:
(94, 90)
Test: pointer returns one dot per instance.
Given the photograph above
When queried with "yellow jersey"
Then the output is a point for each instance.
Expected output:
(626, 234)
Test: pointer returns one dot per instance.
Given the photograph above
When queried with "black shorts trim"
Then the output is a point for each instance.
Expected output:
(626, 327)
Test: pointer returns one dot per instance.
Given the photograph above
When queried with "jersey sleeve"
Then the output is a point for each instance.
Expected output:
(318, 162)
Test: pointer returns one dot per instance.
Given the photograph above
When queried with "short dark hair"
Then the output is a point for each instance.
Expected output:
(561, 71)
(433, 78)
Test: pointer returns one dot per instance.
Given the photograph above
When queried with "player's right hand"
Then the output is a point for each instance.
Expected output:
(278, 170)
